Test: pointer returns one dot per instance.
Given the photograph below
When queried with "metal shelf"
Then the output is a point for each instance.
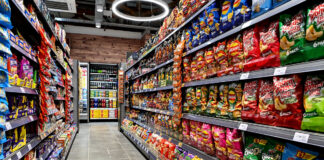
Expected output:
(316, 139)
(153, 89)
(24, 150)
(104, 74)
(155, 68)
(20, 122)
(139, 145)
(67, 150)
(103, 108)
(114, 98)
(173, 32)
(247, 24)
(22, 90)
(170, 113)
(102, 81)
(103, 89)
(48, 152)
(103, 118)
(304, 67)
(17, 49)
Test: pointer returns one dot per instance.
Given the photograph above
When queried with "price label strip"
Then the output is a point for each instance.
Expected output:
(8, 125)
(280, 71)
(243, 126)
(29, 147)
(19, 155)
(244, 76)
(301, 137)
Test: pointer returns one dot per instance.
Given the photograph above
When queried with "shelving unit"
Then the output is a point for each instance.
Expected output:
(135, 72)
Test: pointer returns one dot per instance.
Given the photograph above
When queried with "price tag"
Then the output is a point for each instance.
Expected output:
(8, 125)
(301, 137)
(244, 76)
(22, 89)
(31, 118)
(19, 155)
(169, 139)
(243, 127)
(154, 89)
(180, 144)
(280, 71)
(41, 158)
(48, 150)
(246, 24)
(29, 147)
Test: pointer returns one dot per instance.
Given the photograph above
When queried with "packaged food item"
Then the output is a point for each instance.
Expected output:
(266, 113)
(193, 134)
(292, 152)
(273, 149)
(210, 62)
(314, 32)
(277, 3)
(260, 6)
(250, 100)
(204, 28)
(208, 142)
(288, 95)
(189, 39)
(213, 12)
(222, 105)
(235, 53)
(5, 20)
(186, 69)
(235, 92)
(227, 15)
(219, 135)
(292, 38)
(201, 65)
(200, 144)
(251, 48)
(212, 101)
(314, 103)
(5, 7)
(221, 57)
(242, 11)
(186, 131)
(194, 68)
(234, 144)
(201, 97)
(196, 35)
(269, 45)
(4, 78)
(254, 147)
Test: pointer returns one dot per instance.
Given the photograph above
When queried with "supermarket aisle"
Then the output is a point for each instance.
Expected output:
(102, 141)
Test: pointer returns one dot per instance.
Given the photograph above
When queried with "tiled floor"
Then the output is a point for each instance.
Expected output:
(102, 141)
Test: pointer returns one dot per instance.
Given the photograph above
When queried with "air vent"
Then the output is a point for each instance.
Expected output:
(61, 5)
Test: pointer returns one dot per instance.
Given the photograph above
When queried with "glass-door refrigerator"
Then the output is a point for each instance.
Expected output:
(84, 91)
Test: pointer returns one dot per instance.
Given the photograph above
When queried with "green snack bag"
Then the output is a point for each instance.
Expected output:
(314, 103)
(201, 97)
(212, 101)
(292, 38)
(254, 146)
(273, 150)
(314, 32)
(235, 93)
(222, 105)
(190, 94)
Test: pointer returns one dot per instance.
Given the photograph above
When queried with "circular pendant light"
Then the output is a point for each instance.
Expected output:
(160, 3)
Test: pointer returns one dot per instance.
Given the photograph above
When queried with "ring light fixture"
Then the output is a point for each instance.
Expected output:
(160, 3)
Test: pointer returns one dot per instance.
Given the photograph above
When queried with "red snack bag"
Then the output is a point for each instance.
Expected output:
(186, 131)
(266, 110)
(193, 134)
(251, 48)
(208, 142)
(200, 144)
(210, 62)
(219, 135)
(186, 69)
(194, 68)
(201, 65)
(221, 57)
(288, 96)
(269, 45)
(234, 144)
(235, 53)
(250, 99)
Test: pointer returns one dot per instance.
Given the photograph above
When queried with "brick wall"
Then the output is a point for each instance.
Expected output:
(91, 48)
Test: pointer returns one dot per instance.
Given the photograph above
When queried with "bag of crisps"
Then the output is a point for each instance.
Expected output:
(210, 62)
(314, 32)
(200, 144)
(254, 147)
(221, 57)
(208, 142)
(251, 48)
(213, 20)
(250, 100)
(204, 28)
(288, 95)
(260, 6)
(292, 152)
(227, 15)
(235, 92)
(194, 68)
(219, 135)
(234, 144)
(201, 97)
(195, 33)
(266, 113)
(222, 105)
(186, 131)
(212, 101)
(235, 53)
(314, 103)
(292, 38)
(242, 11)
(189, 39)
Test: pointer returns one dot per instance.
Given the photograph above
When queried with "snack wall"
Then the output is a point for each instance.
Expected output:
(37, 115)
(222, 79)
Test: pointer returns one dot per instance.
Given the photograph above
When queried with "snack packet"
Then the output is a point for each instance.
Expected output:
(201, 97)
(293, 152)
(250, 100)
(210, 62)
(235, 53)
(227, 15)
(212, 101)
(288, 94)
(221, 56)
(254, 147)
(193, 133)
(208, 142)
(242, 11)
(273, 150)
(195, 32)
(234, 144)
(314, 103)
(292, 38)
(213, 12)
(260, 6)
(189, 39)
(251, 48)
(314, 32)
(186, 131)
(219, 135)
(200, 144)
(204, 28)
(277, 3)
(235, 92)
(222, 105)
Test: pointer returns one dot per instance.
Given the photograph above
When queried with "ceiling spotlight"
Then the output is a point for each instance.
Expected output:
(99, 8)
(160, 3)
(98, 25)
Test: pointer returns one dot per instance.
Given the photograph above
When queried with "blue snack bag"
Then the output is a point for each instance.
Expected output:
(277, 3)
(4, 36)
(227, 15)
(213, 12)
(5, 21)
(242, 11)
(5, 8)
(3, 79)
(204, 29)
(195, 32)
(293, 152)
(260, 6)
(188, 38)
